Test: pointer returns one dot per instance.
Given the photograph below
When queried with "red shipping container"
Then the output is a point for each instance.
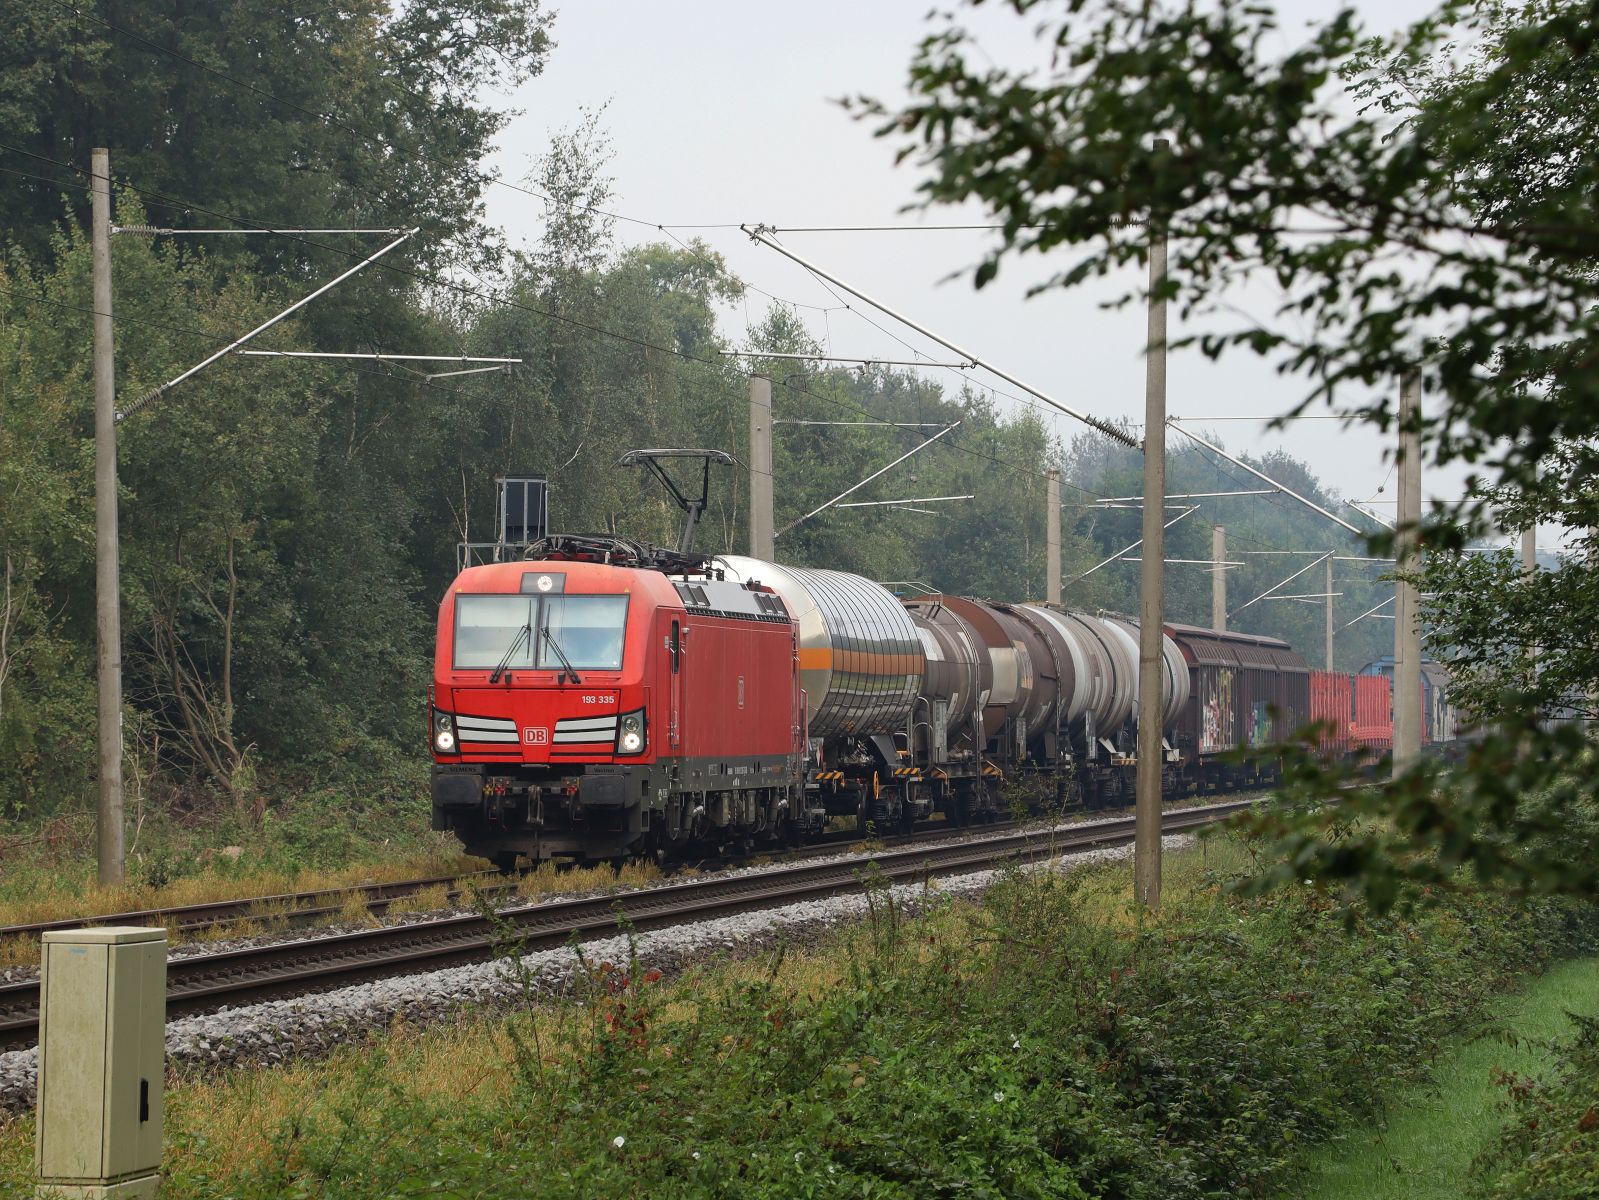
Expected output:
(1374, 713)
(1332, 711)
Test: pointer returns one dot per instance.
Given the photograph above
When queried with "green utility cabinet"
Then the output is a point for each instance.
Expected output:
(102, 1052)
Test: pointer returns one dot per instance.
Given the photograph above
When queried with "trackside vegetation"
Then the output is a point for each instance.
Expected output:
(1434, 1143)
(1550, 1148)
(1040, 1042)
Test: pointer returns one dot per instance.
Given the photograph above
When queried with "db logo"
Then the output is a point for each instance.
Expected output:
(536, 737)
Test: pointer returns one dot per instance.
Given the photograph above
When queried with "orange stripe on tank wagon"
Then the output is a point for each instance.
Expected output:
(866, 662)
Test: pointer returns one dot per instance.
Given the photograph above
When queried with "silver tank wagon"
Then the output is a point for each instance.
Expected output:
(860, 658)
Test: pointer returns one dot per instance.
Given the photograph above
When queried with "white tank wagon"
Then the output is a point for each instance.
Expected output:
(1174, 671)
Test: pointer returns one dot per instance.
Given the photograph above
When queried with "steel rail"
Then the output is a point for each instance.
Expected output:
(204, 983)
(307, 906)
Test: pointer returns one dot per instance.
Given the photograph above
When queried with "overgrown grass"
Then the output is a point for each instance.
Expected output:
(1043, 1042)
(319, 841)
(1425, 1149)
(547, 879)
(1549, 1148)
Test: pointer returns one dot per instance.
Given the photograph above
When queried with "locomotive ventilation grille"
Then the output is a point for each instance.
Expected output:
(585, 729)
(486, 729)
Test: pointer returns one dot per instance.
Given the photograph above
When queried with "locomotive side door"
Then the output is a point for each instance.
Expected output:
(674, 654)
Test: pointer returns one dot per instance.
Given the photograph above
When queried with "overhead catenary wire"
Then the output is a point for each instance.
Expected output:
(758, 234)
(454, 358)
(863, 360)
(161, 389)
(1315, 562)
(858, 424)
(956, 446)
(446, 284)
(491, 180)
(1311, 504)
(410, 273)
(372, 135)
(162, 231)
(887, 228)
(909, 500)
(1191, 496)
(490, 298)
(923, 361)
(1120, 553)
(487, 297)
(856, 487)
(212, 338)
(1370, 612)
(171, 327)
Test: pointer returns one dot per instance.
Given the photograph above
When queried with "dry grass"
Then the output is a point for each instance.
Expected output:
(354, 911)
(66, 900)
(18, 951)
(428, 899)
(52, 898)
(547, 879)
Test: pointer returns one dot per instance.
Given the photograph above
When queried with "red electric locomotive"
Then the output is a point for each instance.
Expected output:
(610, 699)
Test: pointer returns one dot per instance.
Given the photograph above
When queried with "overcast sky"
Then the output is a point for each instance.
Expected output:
(725, 111)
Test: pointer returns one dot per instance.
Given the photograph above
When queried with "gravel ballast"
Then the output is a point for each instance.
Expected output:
(276, 1031)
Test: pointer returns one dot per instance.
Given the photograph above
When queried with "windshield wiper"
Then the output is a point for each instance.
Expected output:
(525, 632)
(566, 663)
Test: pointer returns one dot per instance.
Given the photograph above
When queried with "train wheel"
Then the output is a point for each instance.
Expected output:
(907, 813)
(505, 861)
(960, 808)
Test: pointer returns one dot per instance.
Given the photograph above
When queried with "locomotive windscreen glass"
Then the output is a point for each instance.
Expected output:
(588, 630)
(485, 627)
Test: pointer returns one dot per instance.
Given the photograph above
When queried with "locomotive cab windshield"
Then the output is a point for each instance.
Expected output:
(556, 632)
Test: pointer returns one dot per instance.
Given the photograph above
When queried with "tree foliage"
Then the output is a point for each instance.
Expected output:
(1423, 202)
(341, 115)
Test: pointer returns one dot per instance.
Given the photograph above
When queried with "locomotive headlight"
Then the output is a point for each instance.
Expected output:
(443, 732)
(630, 733)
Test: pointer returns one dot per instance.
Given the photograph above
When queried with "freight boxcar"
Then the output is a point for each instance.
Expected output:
(1246, 693)
(1332, 712)
(1439, 721)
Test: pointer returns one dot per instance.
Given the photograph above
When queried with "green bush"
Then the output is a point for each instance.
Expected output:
(1030, 1050)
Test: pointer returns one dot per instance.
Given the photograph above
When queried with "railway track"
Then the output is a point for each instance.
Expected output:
(310, 907)
(204, 983)
(292, 907)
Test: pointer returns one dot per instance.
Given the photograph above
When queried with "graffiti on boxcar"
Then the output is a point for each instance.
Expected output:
(1217, 710)
(1260, 724)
